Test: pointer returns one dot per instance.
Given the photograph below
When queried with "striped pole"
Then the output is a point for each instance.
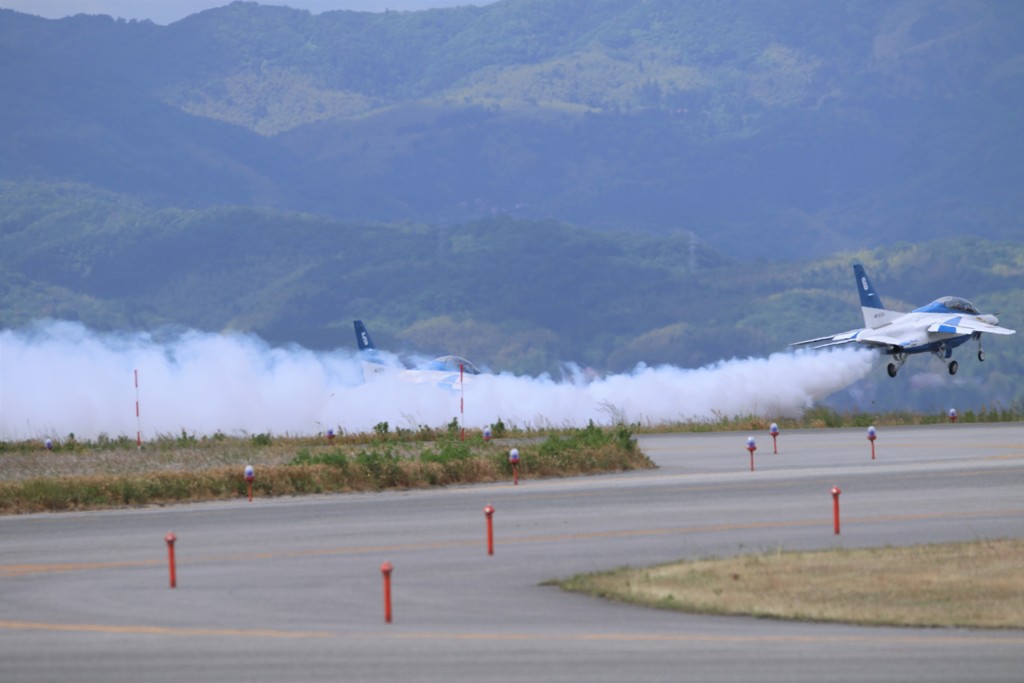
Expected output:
(138, 420)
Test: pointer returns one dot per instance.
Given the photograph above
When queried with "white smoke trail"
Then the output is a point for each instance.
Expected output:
(58, 378)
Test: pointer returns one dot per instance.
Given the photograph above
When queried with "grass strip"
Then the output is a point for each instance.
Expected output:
(977, 584)
(309, 469)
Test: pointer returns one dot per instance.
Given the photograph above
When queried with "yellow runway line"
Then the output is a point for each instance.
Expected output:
(931, 637)
(160, 630)
(23, 569)
(825, 522)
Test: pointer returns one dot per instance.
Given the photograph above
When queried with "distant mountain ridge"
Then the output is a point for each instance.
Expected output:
(786, 127)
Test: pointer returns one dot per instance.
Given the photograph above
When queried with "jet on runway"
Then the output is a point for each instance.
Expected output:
(443, 370)
(937, 328)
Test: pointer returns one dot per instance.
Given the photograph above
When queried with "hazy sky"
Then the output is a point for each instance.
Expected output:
(167, 11)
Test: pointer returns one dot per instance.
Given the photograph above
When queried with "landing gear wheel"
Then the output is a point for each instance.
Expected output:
(981, 355)
(893, 369)
(953, 365)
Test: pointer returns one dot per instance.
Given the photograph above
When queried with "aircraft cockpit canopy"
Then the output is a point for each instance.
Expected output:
(452, 364)
(951, 304)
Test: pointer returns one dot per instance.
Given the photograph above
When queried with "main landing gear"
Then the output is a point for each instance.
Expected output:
(952, 365)
(894, 367)
(943, 354)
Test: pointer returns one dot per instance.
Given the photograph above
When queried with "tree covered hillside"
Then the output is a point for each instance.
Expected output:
(512, 295)
(782, 128)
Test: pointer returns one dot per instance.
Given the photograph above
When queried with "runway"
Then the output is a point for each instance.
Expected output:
(291, 589)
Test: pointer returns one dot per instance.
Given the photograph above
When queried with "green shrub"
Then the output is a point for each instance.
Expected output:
(331, 459)
(448, 449)
(380, 467)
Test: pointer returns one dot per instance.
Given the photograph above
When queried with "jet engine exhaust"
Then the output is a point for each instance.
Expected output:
(58, 378)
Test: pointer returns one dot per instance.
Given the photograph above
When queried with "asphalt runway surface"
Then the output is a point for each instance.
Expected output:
(292, 590)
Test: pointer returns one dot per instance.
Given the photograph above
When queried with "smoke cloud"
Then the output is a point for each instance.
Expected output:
(58, 378)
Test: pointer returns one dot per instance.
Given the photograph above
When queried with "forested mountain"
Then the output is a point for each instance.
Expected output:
(513, 295)
(531, 182)
(778, 128)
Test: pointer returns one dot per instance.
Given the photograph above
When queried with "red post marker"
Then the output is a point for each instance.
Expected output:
(489, 513)
(835, 507)
(385, 569)
(774, 431)
(513, 458)
(751, 446)
(250, 474)
(171, 538)
(952, 415)
(872, 435)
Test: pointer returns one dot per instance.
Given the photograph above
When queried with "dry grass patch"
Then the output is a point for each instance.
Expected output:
(976, 584)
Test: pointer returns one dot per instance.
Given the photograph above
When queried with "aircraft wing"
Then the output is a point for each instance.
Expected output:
(831, 340)
(450, 379)
(861, 335)
(847, 337)
(964, 325)
(871, 338)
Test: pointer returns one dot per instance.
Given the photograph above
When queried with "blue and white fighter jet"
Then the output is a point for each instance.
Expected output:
(450, 370)
(937, 328)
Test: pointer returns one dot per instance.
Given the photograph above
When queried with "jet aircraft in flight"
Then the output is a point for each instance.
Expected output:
(443, 370)
(937, 328)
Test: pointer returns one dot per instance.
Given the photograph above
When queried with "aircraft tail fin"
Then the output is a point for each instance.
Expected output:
(363, 340)
(875, 313)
